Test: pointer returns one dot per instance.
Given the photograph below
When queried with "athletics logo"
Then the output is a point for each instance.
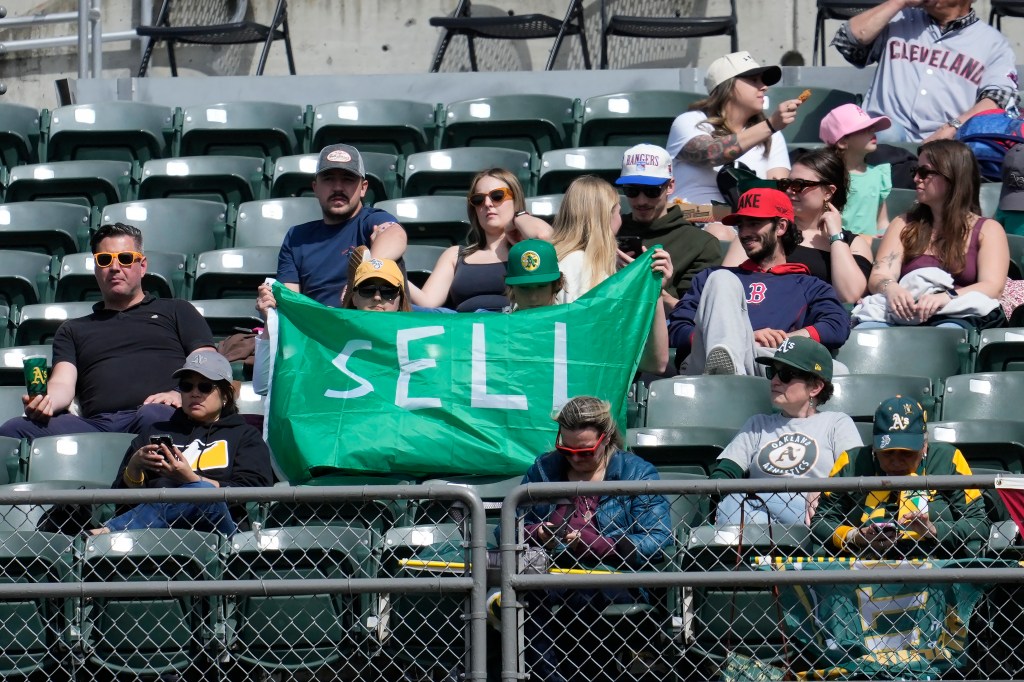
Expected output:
(899, 423)
(790, 455)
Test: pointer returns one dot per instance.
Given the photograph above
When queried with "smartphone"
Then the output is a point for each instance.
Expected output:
(888, 526)
(162, 439)
(631, 246)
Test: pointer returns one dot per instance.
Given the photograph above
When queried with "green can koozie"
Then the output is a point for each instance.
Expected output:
(36, 374)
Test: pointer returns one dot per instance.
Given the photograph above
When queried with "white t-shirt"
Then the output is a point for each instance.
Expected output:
(699, 184)
(576, 272)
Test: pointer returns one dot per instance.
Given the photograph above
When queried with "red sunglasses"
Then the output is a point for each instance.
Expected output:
(579, 452)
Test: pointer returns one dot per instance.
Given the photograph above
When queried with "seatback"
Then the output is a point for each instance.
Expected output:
(438, 220)
(934, 352)
(91, 458)
(49, 227)
(233, 273)
(400, 127)
(265, 223)
(1000, 350)
(265, 130)
(19, 137)
(187, 226)
(630, 118)
(559, 167)
(531, 123)
(92, 184)
(990, 395)
(113, 130)
(229, 180)
(25, 278)
(38, 323)
(450, 171)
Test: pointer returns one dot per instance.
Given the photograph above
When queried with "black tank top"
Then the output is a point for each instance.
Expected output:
(477, 287)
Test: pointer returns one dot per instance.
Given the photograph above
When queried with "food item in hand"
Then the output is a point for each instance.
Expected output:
(803, 97)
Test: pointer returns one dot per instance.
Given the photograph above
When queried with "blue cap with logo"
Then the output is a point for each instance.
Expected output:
(900, 424)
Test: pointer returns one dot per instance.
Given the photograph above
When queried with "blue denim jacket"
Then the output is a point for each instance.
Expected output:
(643, 519)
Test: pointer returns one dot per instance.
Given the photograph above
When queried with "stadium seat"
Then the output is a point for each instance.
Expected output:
(986, 443)
(387, 126)
(233, 273)
(19, 134)
(24, 278)
(690, 420)
(840, 10)
(859, 395)
(93, 184)
(492, 490)
(38, 323)
(11, 406)
(229, 180)
(226, 316)
(544, 206)
(92, 459)
(629, 118)
(988, 197)
(265, 223)
(377, 515)
(76, 279)
(560, 167)
(530, 123)
(12, 364)
(10, 459)
(899, 201)
(808, 121)
(439, 220)
(158, 636)
(299, 632)
(450, 171)
(666, 27)
(1016, 244)
(45, 226)
(266, 130)
(110, 131)
(688, 510)
(988, 395)
(248, 401)
(186, 226)
(934, 352)
(1000, 350)
(294, 175)
(420, 260)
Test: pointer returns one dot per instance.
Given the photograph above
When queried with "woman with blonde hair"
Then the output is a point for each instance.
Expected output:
(584, 235)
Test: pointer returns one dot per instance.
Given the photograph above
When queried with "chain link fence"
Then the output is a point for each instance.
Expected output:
(395, 582)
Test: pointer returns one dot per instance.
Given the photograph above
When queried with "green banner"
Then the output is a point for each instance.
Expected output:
(432, 393)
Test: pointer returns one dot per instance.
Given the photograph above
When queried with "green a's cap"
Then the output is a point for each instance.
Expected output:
(900, 424)
(804, 354)
(532, 261)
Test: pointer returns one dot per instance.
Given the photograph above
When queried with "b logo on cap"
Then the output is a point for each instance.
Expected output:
(530, 261)
(339, 156)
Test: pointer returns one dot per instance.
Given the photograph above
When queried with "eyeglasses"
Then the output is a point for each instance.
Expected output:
(649, 191)
(579, 452)
(497, 196)
(386, 292)
(203, 386)
(104, 259)
(924, 173)
(798, 185)
(785, 374)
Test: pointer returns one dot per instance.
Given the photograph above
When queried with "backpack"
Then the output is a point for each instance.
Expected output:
(990, 134)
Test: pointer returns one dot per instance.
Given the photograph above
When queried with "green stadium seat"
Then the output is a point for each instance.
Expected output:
(45, 226)
(92, 459)
(38, 323)
(688, 510)
(899, 201)
(294, 175)
(233, 273)
(987, 395)
(19, 134)
(986, 443)
(530, 123)
(164, 278)
(93, 184)
(155, 636)
(11, 406)
(988, 197)
(560, 167)
(439, 220)
(1004, 541)
(12, 364)
(24, 278)
(545, 206)
(265, 223)
(273, 634)
(420, 260)
(492, 490)
(1016, 244)
(187, 226)
(229, 180)
(934, 352)
(377, 515)
(227, 315)
(629, 118)
(859, 395)
(1000, 350)
(10, 460)
(449, 171)
(388, 126)
(266, 130)
(808, 120)
(110, 131)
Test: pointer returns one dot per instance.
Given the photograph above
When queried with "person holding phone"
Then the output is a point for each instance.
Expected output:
(204, 444)
(902, 524)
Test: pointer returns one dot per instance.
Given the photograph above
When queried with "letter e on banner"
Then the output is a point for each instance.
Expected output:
(407, 367)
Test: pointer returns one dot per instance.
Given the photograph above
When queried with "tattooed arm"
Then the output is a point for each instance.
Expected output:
(705, 150)
(886, 270)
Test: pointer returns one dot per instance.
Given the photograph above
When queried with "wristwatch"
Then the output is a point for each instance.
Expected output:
(955, 123)
(835, 238)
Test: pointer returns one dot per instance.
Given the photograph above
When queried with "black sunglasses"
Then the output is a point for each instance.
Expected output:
(387, 293)
(785, 374)
(924, 173)
(203, 386)
(798, 185)
(649, 191)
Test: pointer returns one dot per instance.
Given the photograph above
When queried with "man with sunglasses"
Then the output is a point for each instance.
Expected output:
(731, 316)
(314, 256)
(118, 360)
(647, 182)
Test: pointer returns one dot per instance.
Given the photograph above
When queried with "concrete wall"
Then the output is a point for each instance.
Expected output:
(346, 37)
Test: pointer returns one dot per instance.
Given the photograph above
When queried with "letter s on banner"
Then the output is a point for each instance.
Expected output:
(341, 361)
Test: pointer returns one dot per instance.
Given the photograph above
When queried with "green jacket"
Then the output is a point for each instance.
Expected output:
(959, 515)
(692, 249)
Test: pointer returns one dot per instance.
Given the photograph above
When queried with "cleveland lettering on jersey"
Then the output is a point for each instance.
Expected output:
(944, 60)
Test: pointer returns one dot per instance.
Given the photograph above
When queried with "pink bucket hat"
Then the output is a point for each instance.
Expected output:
(847, 119)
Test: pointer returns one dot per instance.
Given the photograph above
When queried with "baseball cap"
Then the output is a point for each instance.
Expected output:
(379, 268)
(532, 261)
(1011, 198)
(645, 164)
(739, 64)
(847, 119)
(343, 156)
(804, 354)
(761, 202)
(207, 363)
(900, 424)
